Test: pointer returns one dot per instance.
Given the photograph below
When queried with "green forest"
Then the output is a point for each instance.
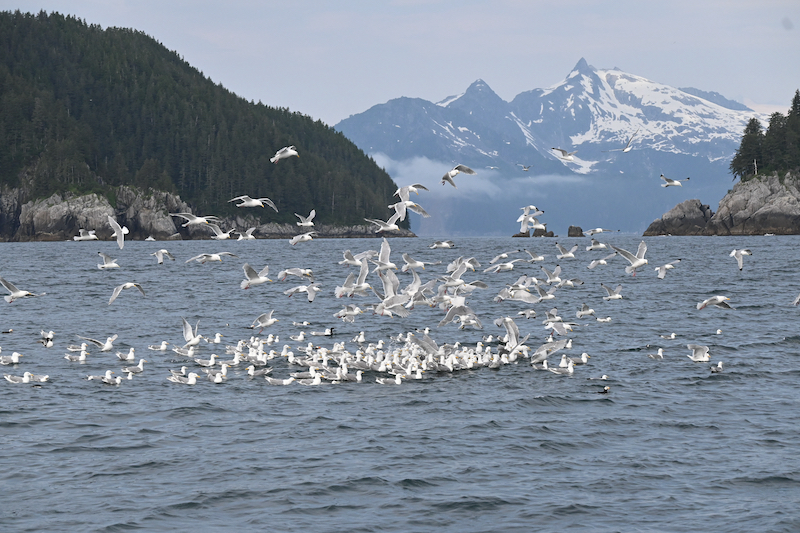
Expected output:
(84, 109)
(777, 150)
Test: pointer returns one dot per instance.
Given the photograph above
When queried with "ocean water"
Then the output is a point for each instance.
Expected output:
(671, 447)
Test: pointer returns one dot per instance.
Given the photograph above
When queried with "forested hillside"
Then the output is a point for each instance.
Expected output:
(777, 150)
(86, 109)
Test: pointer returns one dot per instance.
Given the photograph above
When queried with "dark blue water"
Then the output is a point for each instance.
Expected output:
(670, 448)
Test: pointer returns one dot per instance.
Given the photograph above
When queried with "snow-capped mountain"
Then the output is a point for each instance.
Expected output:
(592, 112)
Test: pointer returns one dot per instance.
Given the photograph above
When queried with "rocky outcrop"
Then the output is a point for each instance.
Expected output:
(574, 231)
(145, 213)
(687, 218)
(769, 204)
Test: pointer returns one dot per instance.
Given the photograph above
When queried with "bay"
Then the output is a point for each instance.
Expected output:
(671, 447)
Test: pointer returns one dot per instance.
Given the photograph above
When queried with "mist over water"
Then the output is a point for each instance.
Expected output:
(670, 448)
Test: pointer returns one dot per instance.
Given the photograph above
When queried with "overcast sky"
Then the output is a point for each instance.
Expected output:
(331, 59)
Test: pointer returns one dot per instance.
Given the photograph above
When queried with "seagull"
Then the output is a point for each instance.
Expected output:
(411, 263)
(14, 292)
(348, 313)
(160, 255)
(503, 267)
(613, 294)
(119, 231)
(303, 237)
(108, 262)
(220, 235)
(603, 261)
(442, 244)
(668, 337)
(403, 192)
(595, 231)
(263, 320)
(25, 378)
(552, 277)
(191, 379)
(306, 222)
(525, 168)
(389, 225)
(532, 257)
(717, 369)
(739, 255)
(128, 285)
(565, 254)
(402, 207)
(136, 369)
(253, 277)
(448, 177)
(84, 235)
(246, 201)
(636, 261)
(670, 182)
(717, 300)
(190, 335)
(299, 272)
(596, 245)
(311, 290)
(564, 155)
(662, 270)
(247, 235)
(659, 355)
(12, 359)
(585, 310)
(699, 353)
(628, 146)
(106, 376)
(106, 346)
(202, 258)
(192, 220)
(284, 153)
(563, 371)
(159, 347)
(275, 381)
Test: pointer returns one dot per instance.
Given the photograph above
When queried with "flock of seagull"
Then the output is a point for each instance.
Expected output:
(410, 355)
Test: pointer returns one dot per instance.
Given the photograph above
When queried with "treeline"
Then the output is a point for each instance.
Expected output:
(86, 109)
(777, 150)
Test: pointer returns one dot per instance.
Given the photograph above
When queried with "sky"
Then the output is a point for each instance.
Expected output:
(333, 59)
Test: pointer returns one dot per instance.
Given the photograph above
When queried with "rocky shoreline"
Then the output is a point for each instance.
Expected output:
(765, 205)
(145, 213)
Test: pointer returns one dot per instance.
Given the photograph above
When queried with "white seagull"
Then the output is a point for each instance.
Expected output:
(699, 353)
(284, 153)
(739, 255)
(202, 258)
(119, 288)
(717, 300)
(253, 277)
(160, 255)
(303, 237)
(306, 222)
(627, 147)
(84, 235)
(119, 231)
(15, 293)
(246, 201)
(636, 261)
(108, 262)
(662, 270)
(448, 177)
(564, 155)
(192, 220)
(671, 183)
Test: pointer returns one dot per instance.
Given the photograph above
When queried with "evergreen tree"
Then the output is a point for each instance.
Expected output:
(749, 151)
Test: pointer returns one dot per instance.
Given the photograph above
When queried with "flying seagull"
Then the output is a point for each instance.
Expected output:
(670, 182)
(564, 155)
(628, 146)
(119, 231)
(448, 177)
(738, 254)
(246, 201)
(284, 153)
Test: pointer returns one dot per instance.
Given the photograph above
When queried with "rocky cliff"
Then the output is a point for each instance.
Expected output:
(145, 213)
(769, 204)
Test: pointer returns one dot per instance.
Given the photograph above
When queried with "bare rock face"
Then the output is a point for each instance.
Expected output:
(148, 213)
(766, 205)
(575, 231)
(687, 218)
(59, 218)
